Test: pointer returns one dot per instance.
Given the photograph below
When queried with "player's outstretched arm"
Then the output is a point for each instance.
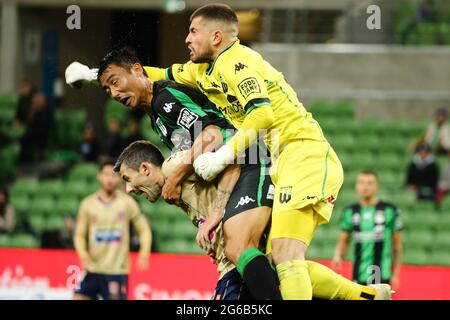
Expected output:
(78, 74)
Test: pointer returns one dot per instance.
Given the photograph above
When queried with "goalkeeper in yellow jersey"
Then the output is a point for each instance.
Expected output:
(256, 99)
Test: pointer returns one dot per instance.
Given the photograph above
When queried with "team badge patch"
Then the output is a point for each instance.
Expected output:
(186, 118)
(249, 86)
(285, 194)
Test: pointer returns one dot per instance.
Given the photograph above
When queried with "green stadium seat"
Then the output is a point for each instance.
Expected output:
(75, 188)
(194, 248)
(51, 187)
(416, 256)
(427, 34)
(24, 186)
(184, 230)
(54, 223)
(440, 257)
(83, 171)
(66, 205)
(362, 161)
(329, 126)
(9, 155)
(391, 162)
(443, 222)
(442, 241)
(161, 229)
(343, 142)
(418, 239)
(346, 198)
(69, 126)
(170, 212)
(350, 177)
(314, 251)
(42, 206)
(21, 203)
(391, 179)
(8, 100)
(346, 108)
(116, 110)
(24, 241)
(424, 206)
(174, 246)
(38, 223)
(444, 30)
(423, 220)
(327, 251)
(5, 240)
(7, 116)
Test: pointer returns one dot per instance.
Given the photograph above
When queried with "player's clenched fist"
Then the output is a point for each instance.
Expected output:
(76, 73)
(209, 164)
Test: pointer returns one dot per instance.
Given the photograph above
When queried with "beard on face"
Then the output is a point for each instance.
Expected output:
(205, 57)
(152, 193)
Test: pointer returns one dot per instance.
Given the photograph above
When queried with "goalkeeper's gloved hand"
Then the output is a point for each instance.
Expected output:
(209, 164)
(77, 73)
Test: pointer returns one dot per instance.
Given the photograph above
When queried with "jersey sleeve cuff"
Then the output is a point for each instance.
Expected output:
(255, 103)
(169, 74)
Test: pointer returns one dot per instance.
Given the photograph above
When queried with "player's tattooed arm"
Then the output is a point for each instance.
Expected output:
(221, 199)
(226, 184)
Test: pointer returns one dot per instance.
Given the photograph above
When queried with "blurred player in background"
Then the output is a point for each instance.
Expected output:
(376, 227)
(102, 239)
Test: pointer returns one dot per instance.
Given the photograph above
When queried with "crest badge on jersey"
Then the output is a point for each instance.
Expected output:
(187, 118)
(285, 194)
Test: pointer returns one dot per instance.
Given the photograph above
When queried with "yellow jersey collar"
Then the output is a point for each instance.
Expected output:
(211, 66)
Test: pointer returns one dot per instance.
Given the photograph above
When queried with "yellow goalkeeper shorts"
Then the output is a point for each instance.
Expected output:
(307, 176)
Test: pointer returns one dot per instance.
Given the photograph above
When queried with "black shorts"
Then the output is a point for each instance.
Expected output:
(103, 286)
(231, 287)
(253, 189)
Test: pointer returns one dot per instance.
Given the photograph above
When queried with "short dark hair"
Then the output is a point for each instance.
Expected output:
(216, 11)
(137, 152)
(104, 163)
(370, 172)
(124, 57)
